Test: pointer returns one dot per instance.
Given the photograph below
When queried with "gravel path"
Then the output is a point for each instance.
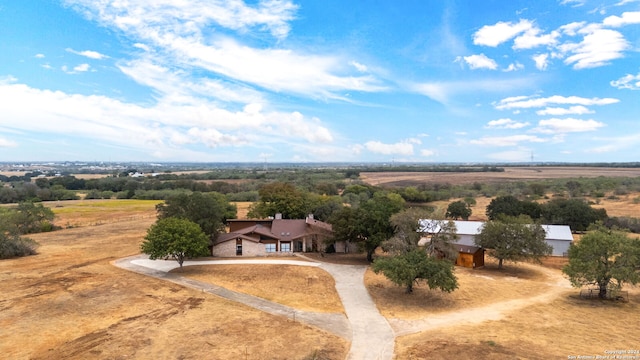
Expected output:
(370, 334)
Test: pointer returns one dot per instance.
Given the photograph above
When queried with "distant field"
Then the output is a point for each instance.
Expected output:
(510, 174)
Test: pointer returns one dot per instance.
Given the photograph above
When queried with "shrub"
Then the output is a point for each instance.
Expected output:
(16, 246)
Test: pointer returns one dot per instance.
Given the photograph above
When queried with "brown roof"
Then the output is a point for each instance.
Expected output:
(281, 229)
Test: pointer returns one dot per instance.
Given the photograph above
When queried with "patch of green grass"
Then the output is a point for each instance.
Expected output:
(100, 205)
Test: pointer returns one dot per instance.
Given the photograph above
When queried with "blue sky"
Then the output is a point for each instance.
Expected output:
(317, 81)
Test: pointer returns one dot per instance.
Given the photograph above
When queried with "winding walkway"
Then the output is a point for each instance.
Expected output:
(370, 334)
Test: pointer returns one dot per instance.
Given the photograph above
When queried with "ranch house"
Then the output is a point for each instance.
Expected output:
(558, 236)
(271, 237)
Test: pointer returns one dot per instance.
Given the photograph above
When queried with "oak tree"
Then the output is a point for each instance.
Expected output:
(604, 258)
(513, 239)
(176, 238)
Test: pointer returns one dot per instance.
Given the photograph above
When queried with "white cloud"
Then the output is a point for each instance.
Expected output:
(189, 17)
(573, 3)
(480, 62)
(597, 48)
(631, 82)
(88, 53)
(532, 39)
(525, 102)
(502, 141)
(505, 124)
(616, 143)
(573, 110)
(494, 35)
(541, 60)
(358, 66)
(176, 87)
(184, 32)
(554, 126)
(443, 91)
(572, 29)
(400, 148)
(167, 128)
(427, 152)
(514, 67)
(81, 68)
(627, 18)
(39, 56)
(7, 143)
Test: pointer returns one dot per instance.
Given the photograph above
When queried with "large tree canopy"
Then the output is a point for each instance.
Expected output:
(282, 198)
(510, 206)
(602, 258)
(458, 210)
(209, 210)
(177, 238)
(513, 239)
(409, 268)
(369, 223)
(573, 212)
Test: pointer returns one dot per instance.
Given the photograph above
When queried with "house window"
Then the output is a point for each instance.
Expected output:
(270, 248)
(238, 247)
(285, 247)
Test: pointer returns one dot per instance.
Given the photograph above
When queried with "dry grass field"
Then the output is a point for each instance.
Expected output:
(477, 288)
(540, 319)
(510, 174)
(300, 287)
(69, 302)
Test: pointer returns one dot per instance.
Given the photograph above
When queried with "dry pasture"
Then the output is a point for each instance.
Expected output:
(70, 302)
(300, 287)
(510, 174)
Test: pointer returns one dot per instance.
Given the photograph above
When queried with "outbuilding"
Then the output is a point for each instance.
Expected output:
(558, 236)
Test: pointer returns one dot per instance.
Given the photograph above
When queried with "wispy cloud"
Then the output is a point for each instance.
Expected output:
(88, 53)
(399, 148)
(177, 31)
(569, 125)
(444, 91)
(631, 82)
(597, 48)
(512, 140)
(572, 110)
(7, 143)
(166, 128)
(506, 124)
(525, 102)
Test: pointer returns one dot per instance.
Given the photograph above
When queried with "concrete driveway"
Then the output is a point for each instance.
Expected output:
(371, 336)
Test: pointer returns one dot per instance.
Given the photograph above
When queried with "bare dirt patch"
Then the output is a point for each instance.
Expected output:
(70, 302)
(300, 287)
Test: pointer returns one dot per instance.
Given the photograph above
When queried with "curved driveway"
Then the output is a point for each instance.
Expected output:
(370, 334)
